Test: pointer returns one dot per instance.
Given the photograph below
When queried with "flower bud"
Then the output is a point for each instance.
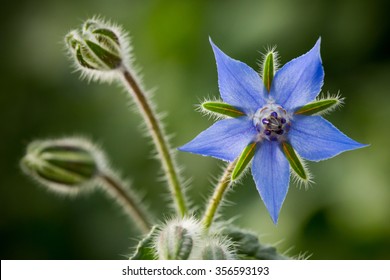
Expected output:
(217, 249)
(64, 165)
(98, 47)
(177, 239)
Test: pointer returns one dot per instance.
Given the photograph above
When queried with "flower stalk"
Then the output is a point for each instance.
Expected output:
(215, 201)
(102, 51)
(159, 139)
(127, 200)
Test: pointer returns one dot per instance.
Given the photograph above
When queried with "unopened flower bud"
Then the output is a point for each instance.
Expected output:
(177, 239)
(98, 47)
(217, 249)
(65, 165)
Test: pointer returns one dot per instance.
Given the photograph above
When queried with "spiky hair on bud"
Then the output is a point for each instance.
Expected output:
(217, 247)
(178, 239)
(99, 49)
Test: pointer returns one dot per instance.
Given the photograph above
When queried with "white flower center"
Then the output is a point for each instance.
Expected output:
(272, 122)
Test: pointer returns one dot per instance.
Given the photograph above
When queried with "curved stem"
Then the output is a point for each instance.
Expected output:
(215, 200)
(160, 141)
(128, 200)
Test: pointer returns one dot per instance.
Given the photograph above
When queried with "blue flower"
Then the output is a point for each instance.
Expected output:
(270, 122)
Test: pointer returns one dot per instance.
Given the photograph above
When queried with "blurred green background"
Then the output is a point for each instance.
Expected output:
(345, 215)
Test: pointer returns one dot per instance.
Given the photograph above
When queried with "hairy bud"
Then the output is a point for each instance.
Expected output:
(217, 249)
(65, 165)
(176, 241)
(98, 48)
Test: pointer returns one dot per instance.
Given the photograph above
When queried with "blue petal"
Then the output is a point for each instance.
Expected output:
(271, 172)
(314, 138)
(239, 85)
(299, 81)
(225, 139)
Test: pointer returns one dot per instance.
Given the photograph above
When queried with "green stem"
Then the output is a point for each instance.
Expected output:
(128, 200)
(160, 141)
(215, 200)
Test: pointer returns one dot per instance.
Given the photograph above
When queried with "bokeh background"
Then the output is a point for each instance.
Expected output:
(345, 215)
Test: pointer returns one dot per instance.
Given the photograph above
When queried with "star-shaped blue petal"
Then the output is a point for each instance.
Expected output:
(239, 84)
(299, 81)
(223, 140)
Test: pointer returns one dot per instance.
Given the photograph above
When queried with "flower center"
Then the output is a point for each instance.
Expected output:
(272, 122)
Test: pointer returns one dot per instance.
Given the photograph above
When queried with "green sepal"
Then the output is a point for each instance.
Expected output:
(145, 249)
(318, 106)
(222, 109)
(71, 40)
(89, 25)
(268, 70)
(294, 160)
(175, 243)
(244, 159)
(58, 175)
(72, 159)
(248, 247)
(82, 61)
(61, 163)
(107, 33)
(213, 252)
(111, 60)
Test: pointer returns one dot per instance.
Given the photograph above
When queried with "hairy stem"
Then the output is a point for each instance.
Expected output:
(128, 200)
(156, 131)
(216, 199)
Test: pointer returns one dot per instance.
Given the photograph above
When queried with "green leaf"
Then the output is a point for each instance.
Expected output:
(294, 160)
(318, 106)
(145, 249)
(222, 109)
(268, 70)
(248, 247)
(244, 159)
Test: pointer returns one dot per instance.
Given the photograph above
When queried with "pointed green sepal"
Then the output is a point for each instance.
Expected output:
(243, 161)
(82, 61)
(71, 39)
(107, 33)
(294, 161)
(319, 106)
(268, 70)
(111, 60)
(222, 109)
(64, 165)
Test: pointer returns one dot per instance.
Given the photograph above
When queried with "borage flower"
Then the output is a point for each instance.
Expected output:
(273, 119)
